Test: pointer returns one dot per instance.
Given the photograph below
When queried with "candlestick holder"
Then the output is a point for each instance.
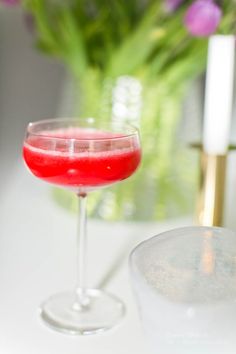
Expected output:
(211, 194)
(210, 204)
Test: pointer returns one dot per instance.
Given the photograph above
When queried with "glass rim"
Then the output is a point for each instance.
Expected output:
(133, 129)
(159, 237)
(138, 275)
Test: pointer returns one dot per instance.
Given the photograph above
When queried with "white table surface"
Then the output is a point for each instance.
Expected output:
(37, 259)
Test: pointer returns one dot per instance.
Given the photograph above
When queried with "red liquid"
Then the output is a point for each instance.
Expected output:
(68, 163)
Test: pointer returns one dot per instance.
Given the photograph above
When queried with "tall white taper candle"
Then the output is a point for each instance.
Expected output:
(219, 93)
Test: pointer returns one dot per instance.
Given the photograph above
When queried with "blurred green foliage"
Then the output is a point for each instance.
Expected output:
(102, 40)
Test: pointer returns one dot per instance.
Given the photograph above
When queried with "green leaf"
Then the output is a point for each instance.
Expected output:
(71, 39)
(135, 49)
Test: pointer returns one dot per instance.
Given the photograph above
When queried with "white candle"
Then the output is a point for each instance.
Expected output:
(219, 94)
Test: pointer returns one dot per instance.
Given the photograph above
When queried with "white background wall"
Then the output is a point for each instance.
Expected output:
(30, 85)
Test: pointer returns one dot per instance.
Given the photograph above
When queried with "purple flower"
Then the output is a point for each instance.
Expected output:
(10, 2)
(172, 5)
(202, 18)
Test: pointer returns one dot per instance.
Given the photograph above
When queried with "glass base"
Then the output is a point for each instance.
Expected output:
(63, 313)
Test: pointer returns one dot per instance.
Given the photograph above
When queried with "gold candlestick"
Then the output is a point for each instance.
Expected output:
(210, 209)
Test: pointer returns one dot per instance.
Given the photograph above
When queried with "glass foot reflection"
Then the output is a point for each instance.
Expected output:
(101, 312)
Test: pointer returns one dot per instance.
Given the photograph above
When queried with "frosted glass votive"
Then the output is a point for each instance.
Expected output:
(184, 282)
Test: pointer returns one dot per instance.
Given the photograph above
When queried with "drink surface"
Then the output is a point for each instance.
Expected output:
(81, 158)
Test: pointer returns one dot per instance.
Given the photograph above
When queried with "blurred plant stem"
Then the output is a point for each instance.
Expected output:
(164, 186)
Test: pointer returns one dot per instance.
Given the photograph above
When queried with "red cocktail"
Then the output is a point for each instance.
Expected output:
(81, 155)
(71, 162)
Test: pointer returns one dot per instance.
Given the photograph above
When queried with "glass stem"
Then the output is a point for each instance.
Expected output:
(82, 300)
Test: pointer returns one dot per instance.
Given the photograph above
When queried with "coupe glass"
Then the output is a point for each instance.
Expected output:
(81, 155)
(185, 284)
